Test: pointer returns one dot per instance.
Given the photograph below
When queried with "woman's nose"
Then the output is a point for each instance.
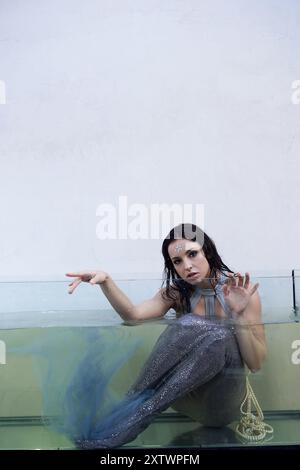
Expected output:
(188, 265)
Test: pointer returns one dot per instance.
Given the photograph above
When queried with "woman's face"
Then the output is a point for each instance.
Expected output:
(189, 261)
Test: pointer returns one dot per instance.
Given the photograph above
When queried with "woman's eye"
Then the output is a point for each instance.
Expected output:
(193, 253)
(176, 261)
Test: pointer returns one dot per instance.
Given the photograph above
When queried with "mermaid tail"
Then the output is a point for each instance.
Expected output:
(190, 353)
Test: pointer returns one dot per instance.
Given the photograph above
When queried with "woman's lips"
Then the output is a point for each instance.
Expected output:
(192, 275)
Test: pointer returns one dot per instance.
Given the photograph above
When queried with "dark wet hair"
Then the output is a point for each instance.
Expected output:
(171, 280)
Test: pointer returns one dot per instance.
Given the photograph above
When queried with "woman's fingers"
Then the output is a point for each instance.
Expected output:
(85, 276)
(247, 280)
(74, 284)
(254, 288)
(96, 278)
(240, 279)
(80, 274)
(228, 282)
(232, 280)
(93, 277)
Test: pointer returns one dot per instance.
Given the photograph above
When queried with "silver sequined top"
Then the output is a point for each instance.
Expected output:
(209, 298)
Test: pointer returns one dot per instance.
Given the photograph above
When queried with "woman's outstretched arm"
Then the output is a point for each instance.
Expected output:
(151, 308)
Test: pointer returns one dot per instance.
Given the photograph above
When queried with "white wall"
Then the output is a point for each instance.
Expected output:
(161, 101)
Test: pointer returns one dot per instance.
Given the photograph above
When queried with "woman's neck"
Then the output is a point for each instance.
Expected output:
(209, 282)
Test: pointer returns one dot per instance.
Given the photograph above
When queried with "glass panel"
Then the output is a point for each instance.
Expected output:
(52, 343)
(296, 292)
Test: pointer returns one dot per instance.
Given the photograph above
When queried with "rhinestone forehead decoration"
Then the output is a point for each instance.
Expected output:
(178, 248)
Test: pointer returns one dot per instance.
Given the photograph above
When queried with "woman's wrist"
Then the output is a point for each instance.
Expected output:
(239, 319)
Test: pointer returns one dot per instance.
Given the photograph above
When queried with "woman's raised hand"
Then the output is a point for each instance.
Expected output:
(93, 277)
(238, 291)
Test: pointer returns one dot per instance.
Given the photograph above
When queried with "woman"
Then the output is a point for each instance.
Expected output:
(197, 364)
